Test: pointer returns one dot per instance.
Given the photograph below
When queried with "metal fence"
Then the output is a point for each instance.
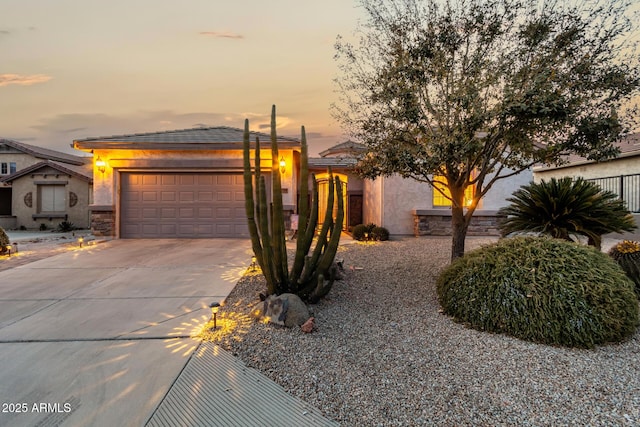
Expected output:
(627, 187)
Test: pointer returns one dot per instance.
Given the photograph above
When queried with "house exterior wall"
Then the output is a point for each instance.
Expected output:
(401, 197)
(405, 206)
(372, 201)
(25, 191)
(105, 207)
(617, 167)
(22, 160)
(497, 196)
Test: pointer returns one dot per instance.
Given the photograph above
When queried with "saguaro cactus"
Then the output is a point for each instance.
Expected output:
(312, 274)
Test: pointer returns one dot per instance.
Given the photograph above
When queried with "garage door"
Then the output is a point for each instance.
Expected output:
(182, 205)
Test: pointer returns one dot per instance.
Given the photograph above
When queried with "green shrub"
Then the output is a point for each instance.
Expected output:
(66, 226)
(543, 290)
(627, 255)
(43, 227)
(359, 232)
(380, 233)
(4, 241)
(367, 232)
(564, 207)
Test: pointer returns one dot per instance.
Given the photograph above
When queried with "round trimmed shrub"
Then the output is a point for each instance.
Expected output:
(4, 241)
(543, 290)
(627, 255)
(359, 231)
(380, 233)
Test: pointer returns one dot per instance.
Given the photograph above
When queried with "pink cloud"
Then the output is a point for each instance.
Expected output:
(23, 80)
(222, 34)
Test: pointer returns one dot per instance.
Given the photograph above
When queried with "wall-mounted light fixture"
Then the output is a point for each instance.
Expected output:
(214, 311)
(283, 165)
(101, 164)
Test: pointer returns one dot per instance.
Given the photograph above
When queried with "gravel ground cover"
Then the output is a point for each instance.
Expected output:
(384, 355)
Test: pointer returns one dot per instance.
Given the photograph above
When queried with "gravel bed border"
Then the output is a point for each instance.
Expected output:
(384, 355)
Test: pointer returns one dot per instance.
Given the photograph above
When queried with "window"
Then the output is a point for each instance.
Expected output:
(12, 167)
(440, 200)
(4, 169)
(52, 198)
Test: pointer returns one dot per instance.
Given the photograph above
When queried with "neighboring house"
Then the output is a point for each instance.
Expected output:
(405, 206)
(179, 184)
(42, 186)
(620, 175)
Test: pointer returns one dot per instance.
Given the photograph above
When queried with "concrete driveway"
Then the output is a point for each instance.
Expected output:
(97, 336)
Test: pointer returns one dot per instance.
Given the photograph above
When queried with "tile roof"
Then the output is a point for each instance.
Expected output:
(43, 153)
(334, 162)
(347, 147)
(84, 171)
(218, 137)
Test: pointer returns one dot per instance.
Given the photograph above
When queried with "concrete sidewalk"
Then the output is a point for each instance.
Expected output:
(99, 336)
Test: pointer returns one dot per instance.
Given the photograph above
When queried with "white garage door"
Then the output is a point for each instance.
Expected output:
(182, 205)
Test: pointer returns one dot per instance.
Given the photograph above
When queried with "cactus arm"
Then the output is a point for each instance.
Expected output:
(303, 243)
(317, 287)
(303, 203)
(309, 232)
(258, 172)
(267, 252)
(248, 198)
(310, 268)
(278, 238)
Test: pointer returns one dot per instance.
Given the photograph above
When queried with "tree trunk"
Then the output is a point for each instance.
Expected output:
(459, 226)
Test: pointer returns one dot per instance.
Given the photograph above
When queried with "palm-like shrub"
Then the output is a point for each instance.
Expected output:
(564, 207)
(4, 241)
(543, 290)
(627, 255)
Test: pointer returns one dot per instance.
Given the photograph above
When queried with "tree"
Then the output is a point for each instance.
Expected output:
(467, 92)
(565, 207)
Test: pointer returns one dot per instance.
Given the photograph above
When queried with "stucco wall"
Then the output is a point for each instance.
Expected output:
(372, 201)
(401, 197)
(105, 184)
(391, 201)
(504, 188)
(77, 214)
(22, 160)
(617, 167)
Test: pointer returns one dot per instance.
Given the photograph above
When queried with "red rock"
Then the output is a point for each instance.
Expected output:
(308, 326)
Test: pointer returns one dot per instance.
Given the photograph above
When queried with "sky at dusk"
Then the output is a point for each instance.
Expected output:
(73, 69)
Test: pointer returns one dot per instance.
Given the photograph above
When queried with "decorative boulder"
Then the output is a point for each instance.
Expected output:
(285, 309)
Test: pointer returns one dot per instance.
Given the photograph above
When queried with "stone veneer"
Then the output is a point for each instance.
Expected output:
(103, 220)
(437, 222)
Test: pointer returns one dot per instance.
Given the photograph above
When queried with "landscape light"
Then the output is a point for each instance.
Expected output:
(214, 311)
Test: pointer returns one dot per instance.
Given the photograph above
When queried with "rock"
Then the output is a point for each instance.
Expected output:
(308, 325)
(286, 309)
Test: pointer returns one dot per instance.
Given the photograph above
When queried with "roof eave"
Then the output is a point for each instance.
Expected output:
(89, 146)
(33, 168)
